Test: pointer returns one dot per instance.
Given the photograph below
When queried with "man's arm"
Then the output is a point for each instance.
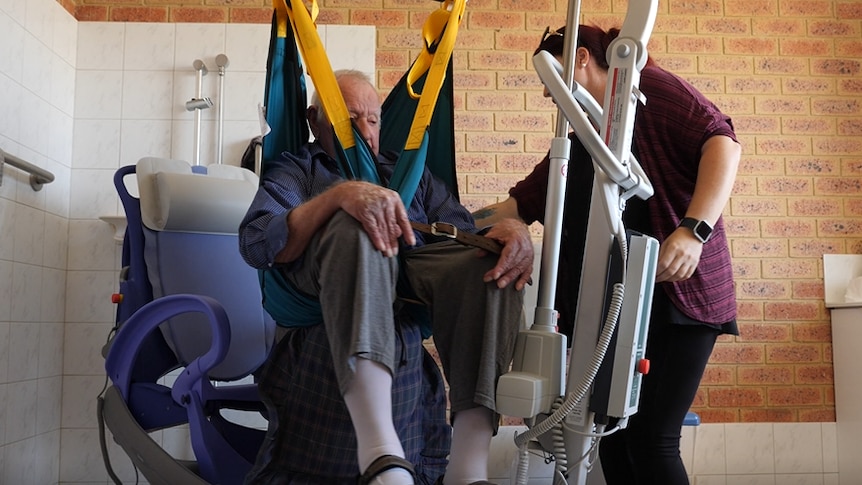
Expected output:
(378, 209)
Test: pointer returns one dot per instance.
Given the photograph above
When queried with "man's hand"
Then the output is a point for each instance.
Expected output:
(516, 261)
(381, 213)
(678, 256)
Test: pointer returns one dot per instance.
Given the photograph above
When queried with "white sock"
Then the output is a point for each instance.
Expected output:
(369, 402)
(472, 431)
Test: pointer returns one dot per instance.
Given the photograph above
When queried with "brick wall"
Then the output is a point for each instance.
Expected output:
(787, 71)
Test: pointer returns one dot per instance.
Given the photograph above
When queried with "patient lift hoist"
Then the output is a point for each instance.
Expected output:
(611, 320)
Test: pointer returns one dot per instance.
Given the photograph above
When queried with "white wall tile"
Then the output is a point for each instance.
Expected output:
(98, 94)
(20, 462)
(149, 46)
(751, 479)
(144, 138)
(7, 234)
(15, 8)
(243, 92)
(51, 349)
(79, 408)
(3, 407)
(62, 93)
(39, 20)
(749, 448)
(10, 102)
(80, 458)
(799, 479)
(56, 243)
(36, 73)
(53, 295)
(356, 47)
(93, 194)
(100, 45)
(247, 46)
(29, 227)
(147, 95)
(26, 284)
(198, 41)
(87, 296)
(711, 480)
(46, 454)
(237, 136)
(57, 194)
(830, 447)
(12, 47)
(183, 139)
(61, 125)
(96, 144)
(83, 348)
(709, 450)
(65, 35)
(31, 122)
(49, 394)
(20, 411)
(4, 362)
(23, 351)
(91, 245)
(798, 448)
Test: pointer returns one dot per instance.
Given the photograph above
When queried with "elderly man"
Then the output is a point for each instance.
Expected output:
(349, 245)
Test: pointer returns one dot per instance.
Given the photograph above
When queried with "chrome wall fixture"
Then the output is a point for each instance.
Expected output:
(222, 63)
(38, 176)
(196, 104)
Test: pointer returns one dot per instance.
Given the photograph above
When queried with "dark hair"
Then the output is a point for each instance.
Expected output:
(590, 37)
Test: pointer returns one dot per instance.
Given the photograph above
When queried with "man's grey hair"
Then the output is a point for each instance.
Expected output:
(339, 74)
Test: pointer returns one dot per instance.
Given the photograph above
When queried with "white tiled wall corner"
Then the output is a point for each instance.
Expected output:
(765, 453)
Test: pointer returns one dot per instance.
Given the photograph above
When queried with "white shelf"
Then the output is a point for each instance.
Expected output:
(119, 225)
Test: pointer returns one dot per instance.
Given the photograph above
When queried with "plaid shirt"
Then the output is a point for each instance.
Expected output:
(669, 132)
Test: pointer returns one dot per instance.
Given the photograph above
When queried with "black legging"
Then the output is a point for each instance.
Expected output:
(647, 451)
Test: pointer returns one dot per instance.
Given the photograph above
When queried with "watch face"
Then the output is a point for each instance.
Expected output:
(702, 231)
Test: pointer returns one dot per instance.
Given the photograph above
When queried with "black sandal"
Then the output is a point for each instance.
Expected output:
(383, 463)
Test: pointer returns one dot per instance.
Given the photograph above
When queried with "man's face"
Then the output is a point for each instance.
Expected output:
(363, 105)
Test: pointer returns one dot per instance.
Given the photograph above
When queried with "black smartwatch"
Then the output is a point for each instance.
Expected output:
(701, 229)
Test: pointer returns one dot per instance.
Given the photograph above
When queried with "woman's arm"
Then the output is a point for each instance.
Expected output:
(494, 213)
(680, 252)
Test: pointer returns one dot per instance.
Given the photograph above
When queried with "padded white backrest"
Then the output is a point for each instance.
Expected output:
(191, 245)
(173, 198)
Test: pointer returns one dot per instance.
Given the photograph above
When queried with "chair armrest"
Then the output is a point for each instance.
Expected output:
(126, 345)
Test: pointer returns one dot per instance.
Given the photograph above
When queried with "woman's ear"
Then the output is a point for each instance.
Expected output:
(582, 56)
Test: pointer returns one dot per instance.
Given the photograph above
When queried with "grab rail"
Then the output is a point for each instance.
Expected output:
(38, 176)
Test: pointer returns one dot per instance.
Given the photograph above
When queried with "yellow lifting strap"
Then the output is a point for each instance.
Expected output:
(318, 66)
(438, 33)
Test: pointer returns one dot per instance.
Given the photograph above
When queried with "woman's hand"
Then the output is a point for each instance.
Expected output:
(678, 256)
